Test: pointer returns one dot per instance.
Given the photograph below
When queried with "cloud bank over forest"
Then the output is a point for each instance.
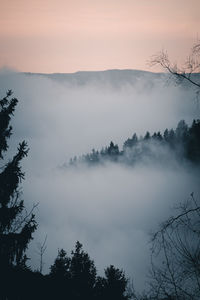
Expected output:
(111, 209)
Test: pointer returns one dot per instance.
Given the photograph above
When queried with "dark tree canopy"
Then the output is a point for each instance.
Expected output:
(7, 107)
(183, 143)
(115, 284)
(60, 268)
(76, 277)
(16, 226)
(77, 273)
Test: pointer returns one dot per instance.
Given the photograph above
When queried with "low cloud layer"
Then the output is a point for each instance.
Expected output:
(111, 209)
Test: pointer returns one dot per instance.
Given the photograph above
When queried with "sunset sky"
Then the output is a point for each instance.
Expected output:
(70, 35)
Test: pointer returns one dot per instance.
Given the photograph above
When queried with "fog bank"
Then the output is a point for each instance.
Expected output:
(110, 209)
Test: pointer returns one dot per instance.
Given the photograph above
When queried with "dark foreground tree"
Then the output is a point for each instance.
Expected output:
(59, 277)
(73, 276)
(16, 225)
(113, 286)
(83, 274)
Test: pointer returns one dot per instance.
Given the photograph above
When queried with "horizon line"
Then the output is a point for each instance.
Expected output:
(10, 70)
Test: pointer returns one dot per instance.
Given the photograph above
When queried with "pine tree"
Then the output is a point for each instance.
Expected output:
(193, 148)
(16, 226)
(83, 273)
(60, 279)
(147, 136)
(73, 277)
(113, 286)
(60, 268)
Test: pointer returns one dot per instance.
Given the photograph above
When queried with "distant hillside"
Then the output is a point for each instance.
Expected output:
(112, 77)
(115, 78)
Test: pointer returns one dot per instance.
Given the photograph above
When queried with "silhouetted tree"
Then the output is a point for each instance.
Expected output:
(184, 143)
(16, 226)
(83, 274)
(72, 277)
(166, 135)
(59, 277)
(157, 136)
(113, 286)
(60, 268)
(193, 147)
(171, 138)
(147, 136)
(131, 142)
(113, 151)
(181, 131)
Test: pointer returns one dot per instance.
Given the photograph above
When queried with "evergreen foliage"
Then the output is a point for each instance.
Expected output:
(113, 286)
(183, 143)
(16, 226)
(76, 277)
(7, 107)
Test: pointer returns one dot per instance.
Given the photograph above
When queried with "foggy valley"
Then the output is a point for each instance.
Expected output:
(111, 208)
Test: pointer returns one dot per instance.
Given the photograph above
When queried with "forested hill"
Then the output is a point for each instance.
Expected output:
(180, 144)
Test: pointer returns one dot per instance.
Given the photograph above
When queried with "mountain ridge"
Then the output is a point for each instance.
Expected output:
(114, 76)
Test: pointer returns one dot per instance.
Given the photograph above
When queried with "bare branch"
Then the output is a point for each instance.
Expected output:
(42, 248)
(192, 65)
(176, 248)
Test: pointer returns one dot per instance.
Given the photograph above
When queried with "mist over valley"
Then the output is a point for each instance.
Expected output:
(111, 208)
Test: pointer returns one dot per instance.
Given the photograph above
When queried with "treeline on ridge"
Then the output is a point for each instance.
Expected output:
(181, 143)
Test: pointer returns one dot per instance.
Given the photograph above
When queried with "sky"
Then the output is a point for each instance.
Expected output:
(50, 36)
